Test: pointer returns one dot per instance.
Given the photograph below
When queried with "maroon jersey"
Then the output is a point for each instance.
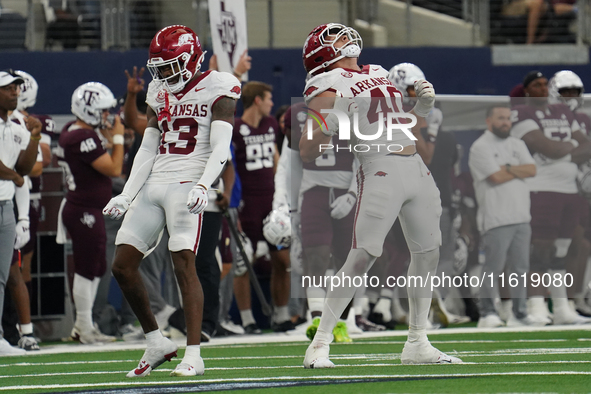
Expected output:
(77, 149)
(254, 153)
(47, 129)
(338, 158)
(558, 123)
(584, 122)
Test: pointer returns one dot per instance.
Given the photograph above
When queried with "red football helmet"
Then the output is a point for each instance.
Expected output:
(177, 48)
(319, 49)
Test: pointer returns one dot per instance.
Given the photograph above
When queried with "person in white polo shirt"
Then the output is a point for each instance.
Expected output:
(499, 163)
(18, 153)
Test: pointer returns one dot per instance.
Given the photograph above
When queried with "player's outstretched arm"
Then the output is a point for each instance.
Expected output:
(220, 138)
(142, 165)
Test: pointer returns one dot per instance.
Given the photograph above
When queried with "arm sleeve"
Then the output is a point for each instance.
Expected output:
(142, 164)
(220, 138)
(282, 179)
(297, 171)
(21, 195)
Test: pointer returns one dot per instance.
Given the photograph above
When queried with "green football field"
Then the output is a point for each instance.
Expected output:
(497, 361)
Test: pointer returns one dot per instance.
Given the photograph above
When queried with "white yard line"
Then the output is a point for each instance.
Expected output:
(283, 339)
(290, 378)
(168, 370)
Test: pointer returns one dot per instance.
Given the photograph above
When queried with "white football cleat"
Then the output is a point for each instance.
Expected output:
(490, 321)
(185, 369)
(317, 356)
(423, 352)
(153, 358)
(90, 336)
(6, 349)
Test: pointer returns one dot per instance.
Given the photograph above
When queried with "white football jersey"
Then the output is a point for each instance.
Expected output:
(184, 120)
(377, 95)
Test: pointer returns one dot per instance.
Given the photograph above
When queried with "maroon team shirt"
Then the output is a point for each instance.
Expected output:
(86, 186)
(254, 152)
(295, 119)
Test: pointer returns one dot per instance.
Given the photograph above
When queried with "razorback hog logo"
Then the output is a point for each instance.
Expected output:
(89, 97)
(161, 96)
(235, 89)
(186, 39)
(380, 173)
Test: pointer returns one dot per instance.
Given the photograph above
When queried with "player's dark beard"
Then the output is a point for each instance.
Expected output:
(501, 132)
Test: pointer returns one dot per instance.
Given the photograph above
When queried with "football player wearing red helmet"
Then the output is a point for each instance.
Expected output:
(184, 149)
(175, 57)
(389, 184)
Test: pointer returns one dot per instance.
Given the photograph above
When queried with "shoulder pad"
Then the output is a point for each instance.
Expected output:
(321, 83)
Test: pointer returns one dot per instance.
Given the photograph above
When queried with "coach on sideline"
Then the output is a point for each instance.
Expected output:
(499, 163)
(18, 153)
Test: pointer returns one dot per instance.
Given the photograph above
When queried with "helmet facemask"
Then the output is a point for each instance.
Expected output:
(176, 81)
(328, 37)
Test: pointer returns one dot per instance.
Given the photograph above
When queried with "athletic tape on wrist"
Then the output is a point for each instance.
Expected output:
(118, 139)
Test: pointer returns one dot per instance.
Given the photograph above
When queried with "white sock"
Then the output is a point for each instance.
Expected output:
(358, 263)
(247, 317)
(83, 299)
(153, 337)
(419, 298)
(315, 296)
(26, 329)
(192, 355)
(281, 314)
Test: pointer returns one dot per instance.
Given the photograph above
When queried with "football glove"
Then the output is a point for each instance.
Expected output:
(425, 98)
(22, 234)
(116, 208)
(197, 200)
(342, 205)
(277, 228)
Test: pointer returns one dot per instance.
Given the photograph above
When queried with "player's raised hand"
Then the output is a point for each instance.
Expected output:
(135, 83)
(425, 97)
(244, 64)
(116, 208)
(118, 128)
(22, 234)
(197, 200)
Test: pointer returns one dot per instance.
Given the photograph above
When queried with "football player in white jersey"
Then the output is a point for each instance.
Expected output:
(391, 181)
(183, 151)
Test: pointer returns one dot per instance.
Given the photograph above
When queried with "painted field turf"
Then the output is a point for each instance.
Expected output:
(537, 361)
